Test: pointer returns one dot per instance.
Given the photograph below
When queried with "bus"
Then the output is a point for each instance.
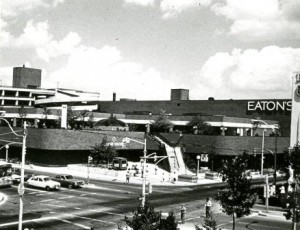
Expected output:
(5, 174)
(119, 163)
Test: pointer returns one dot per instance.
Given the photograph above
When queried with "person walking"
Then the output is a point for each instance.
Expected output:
(208, 208)
(127, 177)
(182, 212)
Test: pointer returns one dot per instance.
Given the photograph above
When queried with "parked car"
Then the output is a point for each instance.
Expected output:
(68, 181)
(16, 178)
(43, 182)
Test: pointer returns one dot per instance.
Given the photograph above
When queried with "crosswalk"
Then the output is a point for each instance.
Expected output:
(80, 208)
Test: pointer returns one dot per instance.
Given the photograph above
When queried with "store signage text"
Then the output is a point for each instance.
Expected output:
(269, 105)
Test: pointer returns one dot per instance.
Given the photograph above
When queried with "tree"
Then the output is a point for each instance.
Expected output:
(103, 152)
(209, 223)
(292, 172)
(90, 121)
(162, 123)
(82, 115)
(146, 218)
(198, 126)
(71, 117)
(238, 199)
(46, 112)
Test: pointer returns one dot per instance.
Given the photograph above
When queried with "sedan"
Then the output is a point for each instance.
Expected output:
(43, 182)
(68, 181)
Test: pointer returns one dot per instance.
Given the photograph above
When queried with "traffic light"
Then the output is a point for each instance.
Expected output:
(155, 158)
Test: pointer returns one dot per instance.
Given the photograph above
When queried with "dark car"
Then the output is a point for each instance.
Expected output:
(68, 181)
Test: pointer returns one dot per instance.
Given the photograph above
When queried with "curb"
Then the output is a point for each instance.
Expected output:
(136, 181)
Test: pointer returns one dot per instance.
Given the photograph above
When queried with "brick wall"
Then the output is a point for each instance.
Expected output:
(230, 108)
(61, 139)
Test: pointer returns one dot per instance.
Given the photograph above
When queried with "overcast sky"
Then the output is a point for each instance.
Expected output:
(226, 49)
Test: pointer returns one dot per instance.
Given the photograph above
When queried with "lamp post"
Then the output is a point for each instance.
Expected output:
(6, 152)
(143, 163)
(144, 158)
(275, 127)
(198, 158)
(21, 188)
(144, 170)
(262, 145)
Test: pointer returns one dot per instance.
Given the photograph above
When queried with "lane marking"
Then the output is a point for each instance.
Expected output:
(58, 216)
(55, 205)
(111, 213)
(87, 218)
(46, 200)
(65, 197)
(69, 222)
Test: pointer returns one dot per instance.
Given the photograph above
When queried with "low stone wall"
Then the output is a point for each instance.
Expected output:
(93, 170)
(188, 178)
(211, 175)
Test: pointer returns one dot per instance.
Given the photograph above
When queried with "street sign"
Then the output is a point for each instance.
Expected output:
(21, 189)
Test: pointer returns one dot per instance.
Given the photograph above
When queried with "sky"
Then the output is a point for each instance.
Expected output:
(141, 49)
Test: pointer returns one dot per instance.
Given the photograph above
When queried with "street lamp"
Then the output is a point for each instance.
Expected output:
(255, 122)
(144, 158)
(198, 158)
(144, 162)
(21, 188)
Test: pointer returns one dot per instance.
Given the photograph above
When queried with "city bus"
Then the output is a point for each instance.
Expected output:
(5, 174)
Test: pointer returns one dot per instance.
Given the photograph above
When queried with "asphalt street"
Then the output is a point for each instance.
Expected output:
(103, 205)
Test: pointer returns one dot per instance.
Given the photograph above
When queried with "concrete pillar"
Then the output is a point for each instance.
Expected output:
(295, 115)
(64, 114)
(35, 123)
(14, 122)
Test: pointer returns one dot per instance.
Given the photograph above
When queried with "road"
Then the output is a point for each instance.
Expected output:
(104, 205)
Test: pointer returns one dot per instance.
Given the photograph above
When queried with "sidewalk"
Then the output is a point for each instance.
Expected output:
(159, 177)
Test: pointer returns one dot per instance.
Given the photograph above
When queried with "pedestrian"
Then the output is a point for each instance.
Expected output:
(127, 177)
(155, 169)
(208, 208)
(163, 177)
(182, 212)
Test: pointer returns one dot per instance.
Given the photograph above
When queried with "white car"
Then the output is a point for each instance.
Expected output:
(43, 182)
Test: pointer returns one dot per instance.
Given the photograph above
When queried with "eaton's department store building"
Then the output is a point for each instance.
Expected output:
(232, 119)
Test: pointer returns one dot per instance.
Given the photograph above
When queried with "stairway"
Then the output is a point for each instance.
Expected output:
(175, 159)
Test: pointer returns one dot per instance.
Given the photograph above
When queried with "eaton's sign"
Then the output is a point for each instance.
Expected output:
(271, 105)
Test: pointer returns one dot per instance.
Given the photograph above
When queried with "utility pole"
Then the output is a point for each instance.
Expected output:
(21, 188)
(275, 158)
(144, 171)
(267, 193)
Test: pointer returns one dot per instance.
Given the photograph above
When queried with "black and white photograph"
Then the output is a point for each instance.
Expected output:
(150, 114)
